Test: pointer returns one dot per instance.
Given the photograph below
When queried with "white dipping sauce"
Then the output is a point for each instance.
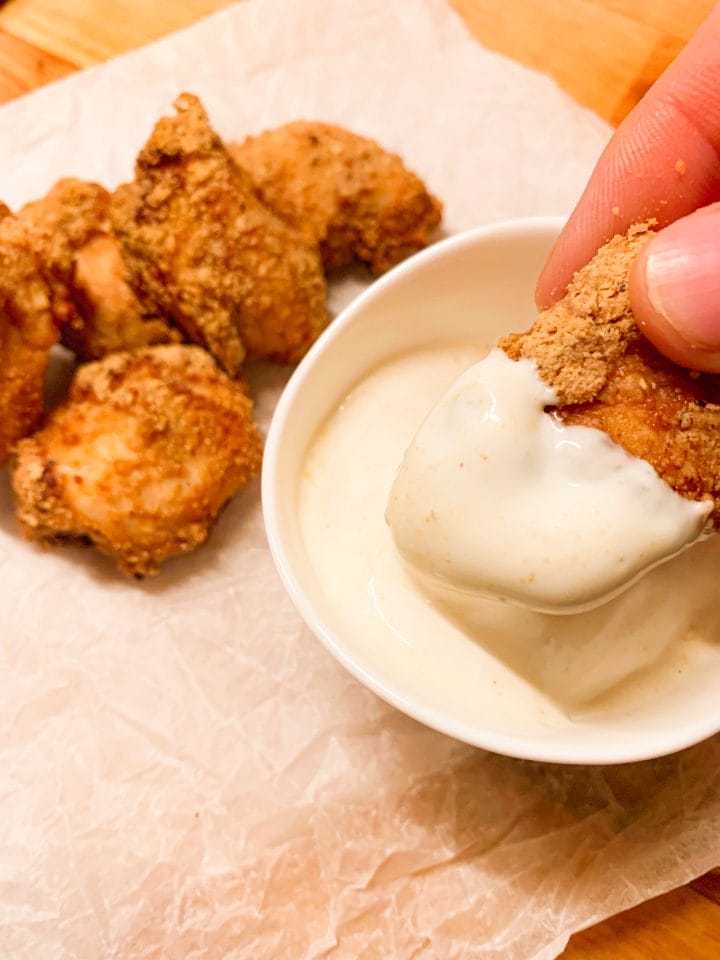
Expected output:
(497, 497)
(503, 666)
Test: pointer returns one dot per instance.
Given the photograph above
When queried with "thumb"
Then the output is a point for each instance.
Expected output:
(675, 290)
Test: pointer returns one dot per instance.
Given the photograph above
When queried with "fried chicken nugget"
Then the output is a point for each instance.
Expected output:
(198, 244)
(342, 191)
(27, 333)
(608, 376)
(94, 306)
(140, 459)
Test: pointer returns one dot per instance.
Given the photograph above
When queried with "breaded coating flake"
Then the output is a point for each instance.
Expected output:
(199, 245)
(93, 304)
(27, 333)
(608, 376)
(343, 191)
(140, 459)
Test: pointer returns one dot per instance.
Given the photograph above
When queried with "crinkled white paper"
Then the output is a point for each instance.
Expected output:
(184, 771)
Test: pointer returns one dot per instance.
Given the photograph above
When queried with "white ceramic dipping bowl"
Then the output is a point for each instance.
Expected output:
(637, 682)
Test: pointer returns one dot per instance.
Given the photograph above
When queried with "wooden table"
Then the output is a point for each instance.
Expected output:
(603, 55)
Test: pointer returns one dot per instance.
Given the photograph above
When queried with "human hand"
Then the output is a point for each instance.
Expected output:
(664, 163)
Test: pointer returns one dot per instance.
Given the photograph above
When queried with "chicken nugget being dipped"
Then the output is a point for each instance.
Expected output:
(27, 333)
(577, 457)
(342, 191)
(93, 305)
(199, 245)
(140, 459)
(607, 375)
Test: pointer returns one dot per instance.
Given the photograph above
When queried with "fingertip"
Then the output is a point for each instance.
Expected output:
(675, 291)
(650, 321)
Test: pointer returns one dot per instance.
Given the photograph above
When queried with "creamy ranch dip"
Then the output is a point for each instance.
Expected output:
(497, 497)
(536, 669)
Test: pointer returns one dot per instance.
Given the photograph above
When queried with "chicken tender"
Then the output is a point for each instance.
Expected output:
(27, 333)
(607, 375)
(93, 305)
(200, 246)
(140, 459)
(342, 191)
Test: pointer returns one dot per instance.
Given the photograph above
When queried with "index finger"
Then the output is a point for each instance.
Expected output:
(662, 162)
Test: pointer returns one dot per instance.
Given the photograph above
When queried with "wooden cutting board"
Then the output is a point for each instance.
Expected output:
(606, 54)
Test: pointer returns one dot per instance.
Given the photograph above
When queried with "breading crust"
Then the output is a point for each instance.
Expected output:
(342, 191)
(140, 459)
(93, 305)
(27, 333)
(199, 244)
(608, 376)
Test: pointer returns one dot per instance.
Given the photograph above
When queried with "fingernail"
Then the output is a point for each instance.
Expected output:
(683, 277)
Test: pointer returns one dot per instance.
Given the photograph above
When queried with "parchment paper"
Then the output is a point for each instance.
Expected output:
(184, 771)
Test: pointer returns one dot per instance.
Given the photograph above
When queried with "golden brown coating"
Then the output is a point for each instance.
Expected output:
(140, 459)
(343, 191)
(664, 414)
(56, 226)
(607, 375)
(4, 210)
(94, 306)
(198, 244)
(27, 333)
(109, 315)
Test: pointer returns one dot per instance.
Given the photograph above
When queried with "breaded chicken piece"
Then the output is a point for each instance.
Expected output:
(342, 191)
(94, 306)
(140, 459)
(607, 375)
(27, 333)
(4, 210)
(200, 246)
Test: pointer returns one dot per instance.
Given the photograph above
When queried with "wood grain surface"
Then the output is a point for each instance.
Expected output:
(606, 54)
